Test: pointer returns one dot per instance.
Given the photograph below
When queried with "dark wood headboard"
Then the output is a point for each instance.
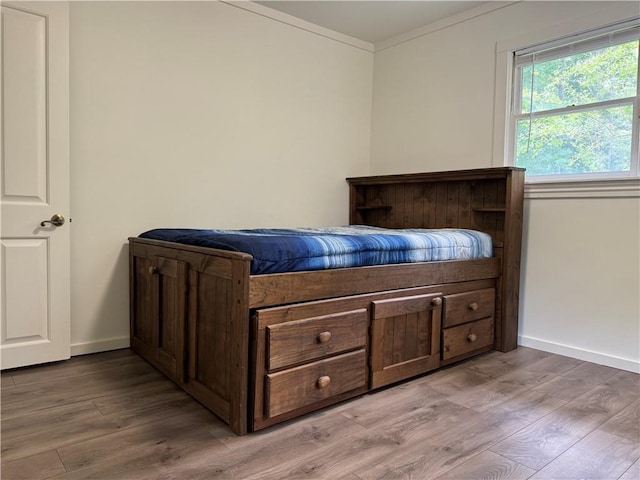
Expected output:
(488, 199)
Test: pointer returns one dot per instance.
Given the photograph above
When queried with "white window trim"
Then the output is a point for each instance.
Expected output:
(607, 185)
(609, 188)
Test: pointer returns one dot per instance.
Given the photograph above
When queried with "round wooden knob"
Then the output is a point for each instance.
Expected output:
(324, 337)
(324, 381)
(472, 337)
(153, 270)
(436, 302)
(473, 306)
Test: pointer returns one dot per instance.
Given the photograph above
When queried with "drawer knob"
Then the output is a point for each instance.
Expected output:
(324, 337)
(153, 270)
(324, 381)
(473, 306)
(472, 337)
(436, 302)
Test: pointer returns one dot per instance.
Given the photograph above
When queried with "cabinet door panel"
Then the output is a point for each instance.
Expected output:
(405, 337)
(157, 324)
(142, 310)
(210, 367)
(171, 302)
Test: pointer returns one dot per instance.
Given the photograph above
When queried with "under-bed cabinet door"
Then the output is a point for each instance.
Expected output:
(405, 337)
(157, 324)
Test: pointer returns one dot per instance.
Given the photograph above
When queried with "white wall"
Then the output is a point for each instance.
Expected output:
(581, 279)
(200, 114)
(433, 110)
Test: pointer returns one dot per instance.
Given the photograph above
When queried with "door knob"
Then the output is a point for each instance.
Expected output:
(57, 220)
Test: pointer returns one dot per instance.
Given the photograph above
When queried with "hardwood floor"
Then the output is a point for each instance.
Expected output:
(523, 414)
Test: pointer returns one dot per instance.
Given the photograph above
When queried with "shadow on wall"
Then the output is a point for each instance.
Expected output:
(112, 312)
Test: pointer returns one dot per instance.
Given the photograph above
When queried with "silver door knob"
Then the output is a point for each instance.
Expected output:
(57, 221)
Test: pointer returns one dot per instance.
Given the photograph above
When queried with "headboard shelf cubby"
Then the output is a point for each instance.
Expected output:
(490, 200)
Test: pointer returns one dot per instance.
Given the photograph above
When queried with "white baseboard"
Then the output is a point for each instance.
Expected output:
(99, 346)
(581, 354)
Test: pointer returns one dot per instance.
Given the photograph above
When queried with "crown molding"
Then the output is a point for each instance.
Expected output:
(442, 24)
(298, 23)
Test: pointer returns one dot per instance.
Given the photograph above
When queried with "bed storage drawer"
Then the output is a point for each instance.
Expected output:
(299, 341)
(297, 387)
(464, 339)
(469, 306)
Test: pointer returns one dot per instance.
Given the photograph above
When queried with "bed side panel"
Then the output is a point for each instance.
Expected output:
(218, 339)
(210, 341)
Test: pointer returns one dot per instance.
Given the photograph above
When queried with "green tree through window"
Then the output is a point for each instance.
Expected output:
(574, 112)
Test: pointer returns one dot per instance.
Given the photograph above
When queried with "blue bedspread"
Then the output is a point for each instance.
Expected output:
(291, 250)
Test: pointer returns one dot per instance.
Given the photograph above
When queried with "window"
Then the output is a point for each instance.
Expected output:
(574, 112)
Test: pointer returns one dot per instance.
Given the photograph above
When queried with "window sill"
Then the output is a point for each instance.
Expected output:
(618, 188)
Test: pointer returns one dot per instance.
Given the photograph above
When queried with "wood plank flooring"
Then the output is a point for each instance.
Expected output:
(523, 414)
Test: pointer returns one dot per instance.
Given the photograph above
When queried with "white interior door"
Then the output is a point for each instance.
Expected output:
(35, 183)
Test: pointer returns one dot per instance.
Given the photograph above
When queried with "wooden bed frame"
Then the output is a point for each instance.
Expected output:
(260, 349)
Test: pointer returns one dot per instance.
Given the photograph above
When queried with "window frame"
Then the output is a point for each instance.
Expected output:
(634, 167)
(626, 184)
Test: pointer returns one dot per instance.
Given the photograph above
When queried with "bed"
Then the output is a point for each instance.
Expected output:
(264, 332)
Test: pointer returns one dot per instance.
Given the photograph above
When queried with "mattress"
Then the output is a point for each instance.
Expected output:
(292, 250)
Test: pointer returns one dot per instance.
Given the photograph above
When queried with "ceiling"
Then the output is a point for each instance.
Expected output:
(371, 21)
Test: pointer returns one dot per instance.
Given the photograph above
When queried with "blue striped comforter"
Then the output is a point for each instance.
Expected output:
(292, 250)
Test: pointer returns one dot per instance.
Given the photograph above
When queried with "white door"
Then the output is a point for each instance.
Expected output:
(34, 181)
